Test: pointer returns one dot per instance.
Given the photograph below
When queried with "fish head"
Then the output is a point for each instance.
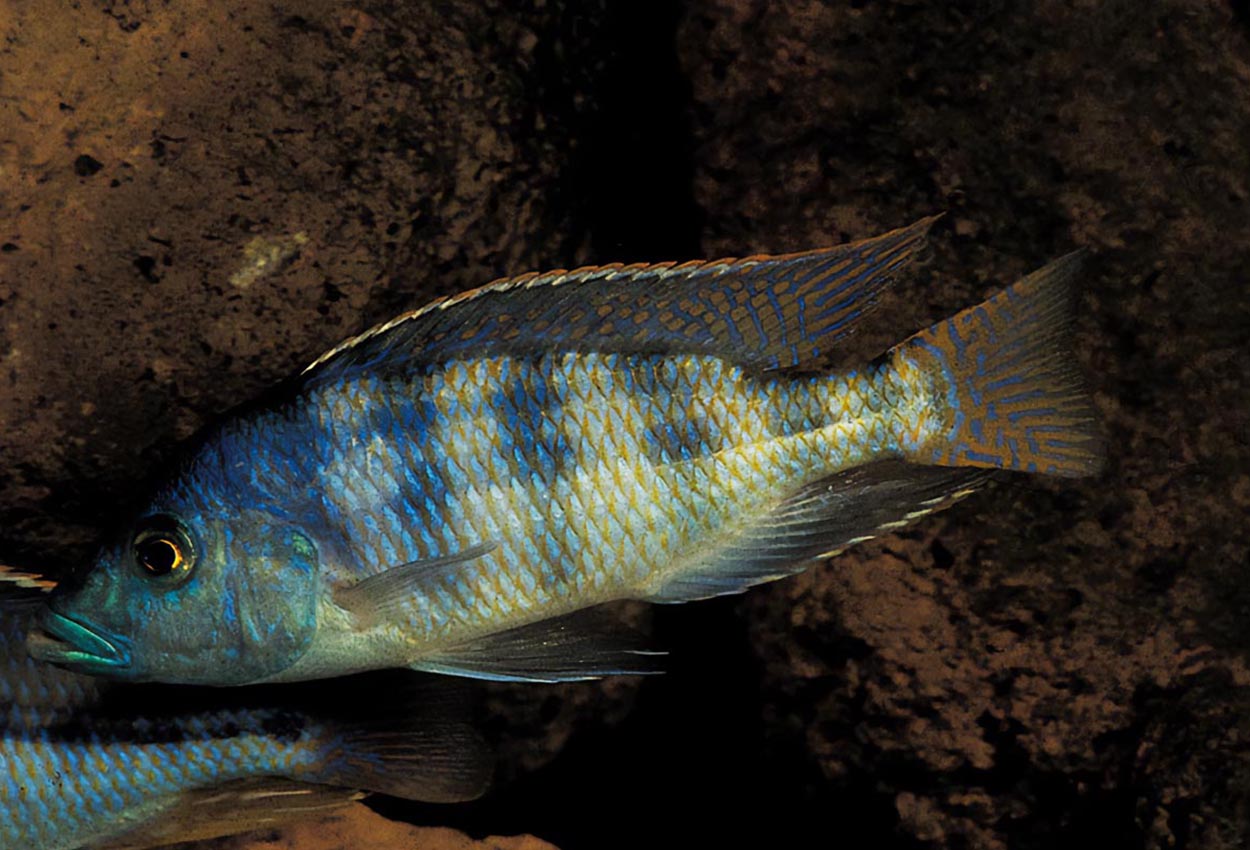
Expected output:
(188, 595)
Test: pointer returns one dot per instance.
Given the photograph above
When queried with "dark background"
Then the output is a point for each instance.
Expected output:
(198, 198)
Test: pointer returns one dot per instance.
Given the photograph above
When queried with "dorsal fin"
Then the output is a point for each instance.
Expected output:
(767, 312)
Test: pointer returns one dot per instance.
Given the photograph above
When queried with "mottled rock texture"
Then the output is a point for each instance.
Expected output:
(358, 827)
(1051, 663)
(197, 198)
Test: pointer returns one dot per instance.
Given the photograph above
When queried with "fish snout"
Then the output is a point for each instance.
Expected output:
(76, 645)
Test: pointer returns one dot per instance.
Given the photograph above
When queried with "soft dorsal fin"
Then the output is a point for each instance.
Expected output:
(767, 312)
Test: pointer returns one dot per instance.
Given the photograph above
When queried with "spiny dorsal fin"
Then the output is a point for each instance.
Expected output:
(767, 312)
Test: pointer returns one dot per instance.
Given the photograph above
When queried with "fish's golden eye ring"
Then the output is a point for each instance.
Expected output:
(164, 553)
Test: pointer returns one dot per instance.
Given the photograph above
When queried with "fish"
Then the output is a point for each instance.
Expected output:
(460, 489)
(85, 762)
(33, 693)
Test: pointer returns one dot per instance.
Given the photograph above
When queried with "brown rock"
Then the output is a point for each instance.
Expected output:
(360, 827)
(1015, 673)
(199, 198)
(1048, 664)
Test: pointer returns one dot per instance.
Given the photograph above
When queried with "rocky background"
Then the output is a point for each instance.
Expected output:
(198, 198)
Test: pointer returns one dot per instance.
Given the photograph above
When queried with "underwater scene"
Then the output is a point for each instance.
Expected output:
(624, 424)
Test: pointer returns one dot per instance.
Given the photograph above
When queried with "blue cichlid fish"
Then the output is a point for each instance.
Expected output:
(89, 763)
(447, 491)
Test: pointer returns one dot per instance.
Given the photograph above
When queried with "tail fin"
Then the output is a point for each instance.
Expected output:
(1015, 395)
(413, 740)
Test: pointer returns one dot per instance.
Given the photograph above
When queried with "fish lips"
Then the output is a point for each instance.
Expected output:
(76, 645)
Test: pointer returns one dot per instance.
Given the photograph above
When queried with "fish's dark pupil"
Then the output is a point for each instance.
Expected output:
(158, 556)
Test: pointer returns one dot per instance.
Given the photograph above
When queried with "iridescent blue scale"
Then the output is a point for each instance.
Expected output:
(60, 787)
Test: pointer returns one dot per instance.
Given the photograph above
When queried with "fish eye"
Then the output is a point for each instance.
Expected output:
(163, 552)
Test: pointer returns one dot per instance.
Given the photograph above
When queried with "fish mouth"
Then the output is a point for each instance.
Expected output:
(70, 643)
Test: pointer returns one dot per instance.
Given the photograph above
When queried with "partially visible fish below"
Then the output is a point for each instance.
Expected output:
(85, 763)
(452, 490)
(33, 693)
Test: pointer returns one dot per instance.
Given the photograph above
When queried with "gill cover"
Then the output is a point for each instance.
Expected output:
(274, 612)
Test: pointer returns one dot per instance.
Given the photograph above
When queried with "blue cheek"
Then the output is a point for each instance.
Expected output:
(229, 611)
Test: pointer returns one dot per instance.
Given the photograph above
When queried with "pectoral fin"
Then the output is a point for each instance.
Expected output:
(407, 736)
(380, 597)
(584, 645)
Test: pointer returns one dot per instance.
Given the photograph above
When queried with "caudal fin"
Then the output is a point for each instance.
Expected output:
(1014, 392)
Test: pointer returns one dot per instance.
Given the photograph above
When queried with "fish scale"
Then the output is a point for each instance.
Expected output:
(607, 428)
(90, 763)
(58, 786)
(113, 780)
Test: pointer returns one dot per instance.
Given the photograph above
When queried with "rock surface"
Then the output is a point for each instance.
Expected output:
(1050, 663)
(360, 827)
(198, 198)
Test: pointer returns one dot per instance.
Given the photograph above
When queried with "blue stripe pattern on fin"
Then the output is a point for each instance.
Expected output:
(1015, 394)
(763, 311)
(820, 521)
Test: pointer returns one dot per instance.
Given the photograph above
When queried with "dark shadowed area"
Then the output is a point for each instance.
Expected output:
(198, 198)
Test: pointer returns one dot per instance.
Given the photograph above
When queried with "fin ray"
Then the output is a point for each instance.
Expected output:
(819, 521)
(1016, 396)
(761, 311)
(583, 645)
(232, 808)
(417, 743)
(375, 598)
(13, 578)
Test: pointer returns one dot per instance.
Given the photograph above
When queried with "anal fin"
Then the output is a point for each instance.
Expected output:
(819, 521)
(583, 645)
